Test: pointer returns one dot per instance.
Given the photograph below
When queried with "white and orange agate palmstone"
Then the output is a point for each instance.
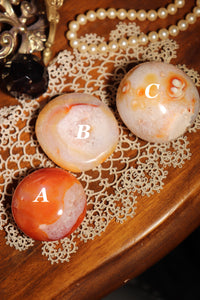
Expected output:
(157, 101)
(77, 131)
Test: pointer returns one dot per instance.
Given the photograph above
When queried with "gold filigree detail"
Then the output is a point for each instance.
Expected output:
(53, 17)
(30, 25)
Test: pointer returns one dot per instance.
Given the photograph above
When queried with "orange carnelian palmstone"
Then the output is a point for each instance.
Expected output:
(49, 204)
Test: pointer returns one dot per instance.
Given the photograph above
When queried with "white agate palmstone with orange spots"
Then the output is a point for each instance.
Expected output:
(77, 131)
(157, 101)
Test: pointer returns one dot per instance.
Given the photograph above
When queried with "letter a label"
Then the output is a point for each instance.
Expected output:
(83, 132)
(42, 195)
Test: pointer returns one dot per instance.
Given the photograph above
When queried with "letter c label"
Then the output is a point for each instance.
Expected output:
(147, 90)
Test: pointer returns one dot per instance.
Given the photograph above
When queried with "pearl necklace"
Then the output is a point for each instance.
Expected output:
(131, 14)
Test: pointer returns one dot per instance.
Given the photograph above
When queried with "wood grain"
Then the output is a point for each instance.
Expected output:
(125, 250)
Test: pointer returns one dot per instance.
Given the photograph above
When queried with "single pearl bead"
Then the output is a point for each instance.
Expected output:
(91, 15)
(113, 46)
(131, 14)
(92, 48)
(133, 40)
(179, 3)
(81, 19)
(173, 30)
(162, 13)
(182, 25)
(191, 18)
(143, 39)
(83, 47)
(74, 43)
(121, 14)
(153, 36)
(141, 15)
(74, 26)
(101, 13)
(198, 3)
(111, 13)
(71, 35)
(103, 47)
(196, 11)
(172, 9)
(123, 43)
(152, 15)
(163, 34)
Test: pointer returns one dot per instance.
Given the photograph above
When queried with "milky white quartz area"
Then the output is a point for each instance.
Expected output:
(157, 101)
(77, 131)
(74, 203)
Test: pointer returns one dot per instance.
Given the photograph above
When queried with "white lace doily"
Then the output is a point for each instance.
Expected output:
(136, 167)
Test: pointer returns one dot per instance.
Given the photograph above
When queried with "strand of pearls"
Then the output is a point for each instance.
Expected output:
(131, 14)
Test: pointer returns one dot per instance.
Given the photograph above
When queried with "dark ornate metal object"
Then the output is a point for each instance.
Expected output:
(26, 27)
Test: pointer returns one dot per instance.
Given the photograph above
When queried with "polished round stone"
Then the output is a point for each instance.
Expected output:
(26, 75)
(49, 204)
(77, 131)
(157, 101)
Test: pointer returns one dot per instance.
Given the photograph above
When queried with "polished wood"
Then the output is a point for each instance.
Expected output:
(125, 250)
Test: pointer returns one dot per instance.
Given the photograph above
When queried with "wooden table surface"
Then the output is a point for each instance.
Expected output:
(125, 250)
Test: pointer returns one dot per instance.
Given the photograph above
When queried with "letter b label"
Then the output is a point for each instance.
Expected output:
(83, 131)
